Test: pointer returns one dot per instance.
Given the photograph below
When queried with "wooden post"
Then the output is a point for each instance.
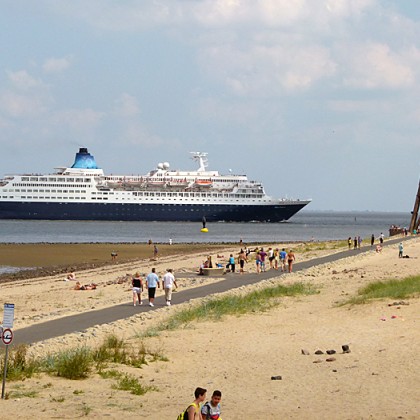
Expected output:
(414, 221)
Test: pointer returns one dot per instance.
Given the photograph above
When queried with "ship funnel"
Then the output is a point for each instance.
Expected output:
(84, 160)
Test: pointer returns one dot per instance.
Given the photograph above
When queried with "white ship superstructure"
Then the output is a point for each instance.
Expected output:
(84, 192)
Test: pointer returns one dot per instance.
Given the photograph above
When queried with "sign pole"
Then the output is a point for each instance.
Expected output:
(6, 336)
(4, 372)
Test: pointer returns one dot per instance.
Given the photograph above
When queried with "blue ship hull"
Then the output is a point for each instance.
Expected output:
(147, 212)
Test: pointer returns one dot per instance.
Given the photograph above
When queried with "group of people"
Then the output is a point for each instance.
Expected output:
(210, 410)
(151, 284)
(356, 242)
(277, 259)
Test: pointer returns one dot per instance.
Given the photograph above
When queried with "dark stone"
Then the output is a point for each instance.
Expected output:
(276, 378)
(331, 352)
(330, 359)
(345, 348)
(319, 352)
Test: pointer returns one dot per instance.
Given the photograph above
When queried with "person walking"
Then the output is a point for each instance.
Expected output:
(400, 250)
(258, 261)
(193, 411)
(242, 260)
(231, 263)
(137, 283)
(372, 240)
(276, 258)
(263, 255)
(283, 255)
(211, 409)
(290, 258)
(168, 283)
(152, 280)
(271, 257)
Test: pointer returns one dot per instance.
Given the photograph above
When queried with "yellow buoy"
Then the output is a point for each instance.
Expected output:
(204, 230)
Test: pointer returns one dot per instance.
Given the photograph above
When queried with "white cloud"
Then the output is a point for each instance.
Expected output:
(375, 65)
(268, 70)
(56, 65)
(23, 81)
(79, 119)
(134, 133)
(137, 16)
(19, 106)
(127, 106)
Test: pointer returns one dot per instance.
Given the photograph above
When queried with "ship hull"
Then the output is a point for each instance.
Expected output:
(149, 212)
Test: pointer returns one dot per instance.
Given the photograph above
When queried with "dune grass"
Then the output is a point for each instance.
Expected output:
(389, 289)
(218, 307)
(80, 362)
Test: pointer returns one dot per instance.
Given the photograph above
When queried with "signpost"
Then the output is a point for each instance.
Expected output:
(7, 337)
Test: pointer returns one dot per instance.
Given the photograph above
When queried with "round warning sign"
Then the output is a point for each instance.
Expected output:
(7, 336)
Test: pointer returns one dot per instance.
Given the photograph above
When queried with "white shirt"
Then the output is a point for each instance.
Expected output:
(168, 280)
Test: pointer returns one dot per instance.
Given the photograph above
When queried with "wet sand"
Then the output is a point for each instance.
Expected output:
(49, 259)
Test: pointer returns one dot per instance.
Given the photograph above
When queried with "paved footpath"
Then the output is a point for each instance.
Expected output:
(82, 321)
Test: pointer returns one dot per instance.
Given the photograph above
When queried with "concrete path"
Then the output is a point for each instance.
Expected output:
(82, 321)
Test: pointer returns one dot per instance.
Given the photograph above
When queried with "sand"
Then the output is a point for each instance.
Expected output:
(378, 379)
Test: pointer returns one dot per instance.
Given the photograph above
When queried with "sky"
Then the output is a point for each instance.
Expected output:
(317, 99)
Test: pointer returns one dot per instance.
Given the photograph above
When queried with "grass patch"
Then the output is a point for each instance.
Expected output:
(86, 410)
(19, 365)
(132, 384)
(78, 392)
(110, 374)
(322, 246)
(21, 394)
(392, 289)
(218, 307)
(74, 364)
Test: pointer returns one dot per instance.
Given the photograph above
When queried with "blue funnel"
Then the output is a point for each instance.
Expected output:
(84, 160)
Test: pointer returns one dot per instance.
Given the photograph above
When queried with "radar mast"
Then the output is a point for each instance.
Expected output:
(201, 158)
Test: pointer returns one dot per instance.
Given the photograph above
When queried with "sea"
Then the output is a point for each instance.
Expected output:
(305, 226)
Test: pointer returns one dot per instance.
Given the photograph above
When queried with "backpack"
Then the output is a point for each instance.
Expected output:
(184, 414)
(208, 415)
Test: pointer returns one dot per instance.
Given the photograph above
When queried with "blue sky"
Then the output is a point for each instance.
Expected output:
(316, 98)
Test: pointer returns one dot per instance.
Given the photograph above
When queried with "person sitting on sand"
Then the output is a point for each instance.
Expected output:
(91, 286)
(70, 276)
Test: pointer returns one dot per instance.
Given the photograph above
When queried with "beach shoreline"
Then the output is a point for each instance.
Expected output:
(239, 352)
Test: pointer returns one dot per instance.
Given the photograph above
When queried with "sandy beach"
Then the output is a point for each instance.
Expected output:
(238, 355)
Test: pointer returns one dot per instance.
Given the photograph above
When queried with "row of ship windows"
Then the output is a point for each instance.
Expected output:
(28, 197)
(146, 194)
(47, 191)
(201, 195)
(17, 184)
(44, 179)
(36, 197)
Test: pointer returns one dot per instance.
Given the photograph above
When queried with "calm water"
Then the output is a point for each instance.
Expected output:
(304, 226)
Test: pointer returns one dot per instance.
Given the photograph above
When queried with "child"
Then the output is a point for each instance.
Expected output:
(231, 263)
(211, 409)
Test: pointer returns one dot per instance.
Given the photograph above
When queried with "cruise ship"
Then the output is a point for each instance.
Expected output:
(84, 192)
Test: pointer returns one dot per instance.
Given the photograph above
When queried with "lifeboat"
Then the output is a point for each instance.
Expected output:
(155, 182)
(206, 183)
(180, 183)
